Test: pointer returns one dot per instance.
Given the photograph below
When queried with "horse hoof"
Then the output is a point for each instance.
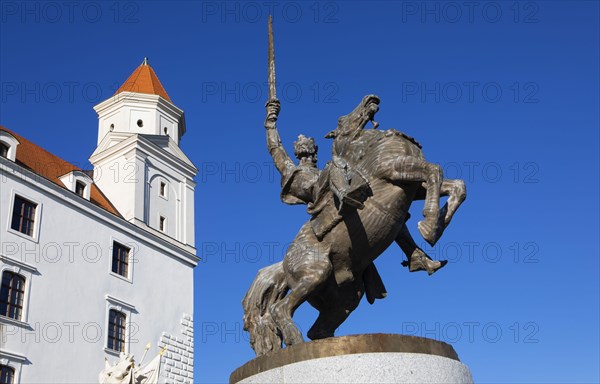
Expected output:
(318, 335)
(291, 334)
(425, 228)
(431, 232)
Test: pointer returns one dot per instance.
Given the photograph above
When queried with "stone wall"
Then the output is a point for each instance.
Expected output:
(177, 363)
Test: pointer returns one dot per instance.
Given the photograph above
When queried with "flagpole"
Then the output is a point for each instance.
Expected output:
(144, 355)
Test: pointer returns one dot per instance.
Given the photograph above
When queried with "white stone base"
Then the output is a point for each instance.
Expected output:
(383, 367)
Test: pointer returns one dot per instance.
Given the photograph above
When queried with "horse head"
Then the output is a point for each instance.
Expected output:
(356, 120)
(116, 373)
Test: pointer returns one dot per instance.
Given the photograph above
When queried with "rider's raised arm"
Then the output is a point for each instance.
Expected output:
(282, 160)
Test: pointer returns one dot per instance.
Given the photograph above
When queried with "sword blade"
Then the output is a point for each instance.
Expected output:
(272, 89)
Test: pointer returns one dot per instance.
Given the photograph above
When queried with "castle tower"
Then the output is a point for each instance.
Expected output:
(107, 260)
(138, 163)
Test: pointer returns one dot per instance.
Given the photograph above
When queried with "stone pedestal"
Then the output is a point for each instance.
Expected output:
(376, 358)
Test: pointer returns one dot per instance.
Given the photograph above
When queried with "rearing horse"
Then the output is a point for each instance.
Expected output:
(329, 271)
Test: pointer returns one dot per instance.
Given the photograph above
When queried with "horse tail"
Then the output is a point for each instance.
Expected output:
(269, 286)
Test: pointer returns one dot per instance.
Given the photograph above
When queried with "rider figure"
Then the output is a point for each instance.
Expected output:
(300, 185)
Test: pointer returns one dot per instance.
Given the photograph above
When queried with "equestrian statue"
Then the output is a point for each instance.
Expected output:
(358, 206)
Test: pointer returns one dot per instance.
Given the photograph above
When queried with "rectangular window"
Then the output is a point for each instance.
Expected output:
(3, 150)
(163, 189)
(12, 294)
(162, 224)
(116, 331)
(7, 374)
(23, 216)
(79, 188)
(120, 259)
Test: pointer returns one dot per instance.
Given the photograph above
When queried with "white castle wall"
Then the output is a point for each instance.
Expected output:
(70, 286)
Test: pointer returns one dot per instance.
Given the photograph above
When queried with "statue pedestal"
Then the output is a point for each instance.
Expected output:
(372, 358)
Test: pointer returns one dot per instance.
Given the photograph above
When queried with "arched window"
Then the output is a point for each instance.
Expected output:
(12, 294)
(3, 150)
(8, 145)
(116, 330)
(7, 374)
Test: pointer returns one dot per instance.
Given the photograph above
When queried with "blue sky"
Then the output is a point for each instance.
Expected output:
(502, 94)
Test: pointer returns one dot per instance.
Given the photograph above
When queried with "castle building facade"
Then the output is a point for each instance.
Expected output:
(99, 262)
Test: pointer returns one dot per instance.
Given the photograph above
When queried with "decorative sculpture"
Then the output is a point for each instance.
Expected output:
(358, 205)
(124, 371)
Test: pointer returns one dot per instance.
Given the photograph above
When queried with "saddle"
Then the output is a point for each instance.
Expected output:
(338, 188)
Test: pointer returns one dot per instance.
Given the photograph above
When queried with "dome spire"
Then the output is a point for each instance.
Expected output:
(144, 80)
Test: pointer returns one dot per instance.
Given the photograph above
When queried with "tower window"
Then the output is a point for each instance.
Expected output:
(116, 330)
(79, 188)
(120, 259)
(162, 224)
(140, 123)
(7, 374)
(3, 150)
(12, 294)
(23, 216)
(162, 189)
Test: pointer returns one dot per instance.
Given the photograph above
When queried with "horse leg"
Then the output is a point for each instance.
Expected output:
(326, 324)
(456, 191)
(340, 302)
(418, 260)
(307, 267)
(414, 169)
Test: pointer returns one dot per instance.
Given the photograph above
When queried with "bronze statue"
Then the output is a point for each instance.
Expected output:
(358, 205)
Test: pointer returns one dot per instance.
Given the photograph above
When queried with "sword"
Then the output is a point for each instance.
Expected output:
(272, 90)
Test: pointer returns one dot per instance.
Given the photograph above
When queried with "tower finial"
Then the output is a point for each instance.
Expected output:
(145, 62)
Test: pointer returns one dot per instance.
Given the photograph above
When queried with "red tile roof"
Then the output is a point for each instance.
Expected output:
(144, 80)
(51, 167)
